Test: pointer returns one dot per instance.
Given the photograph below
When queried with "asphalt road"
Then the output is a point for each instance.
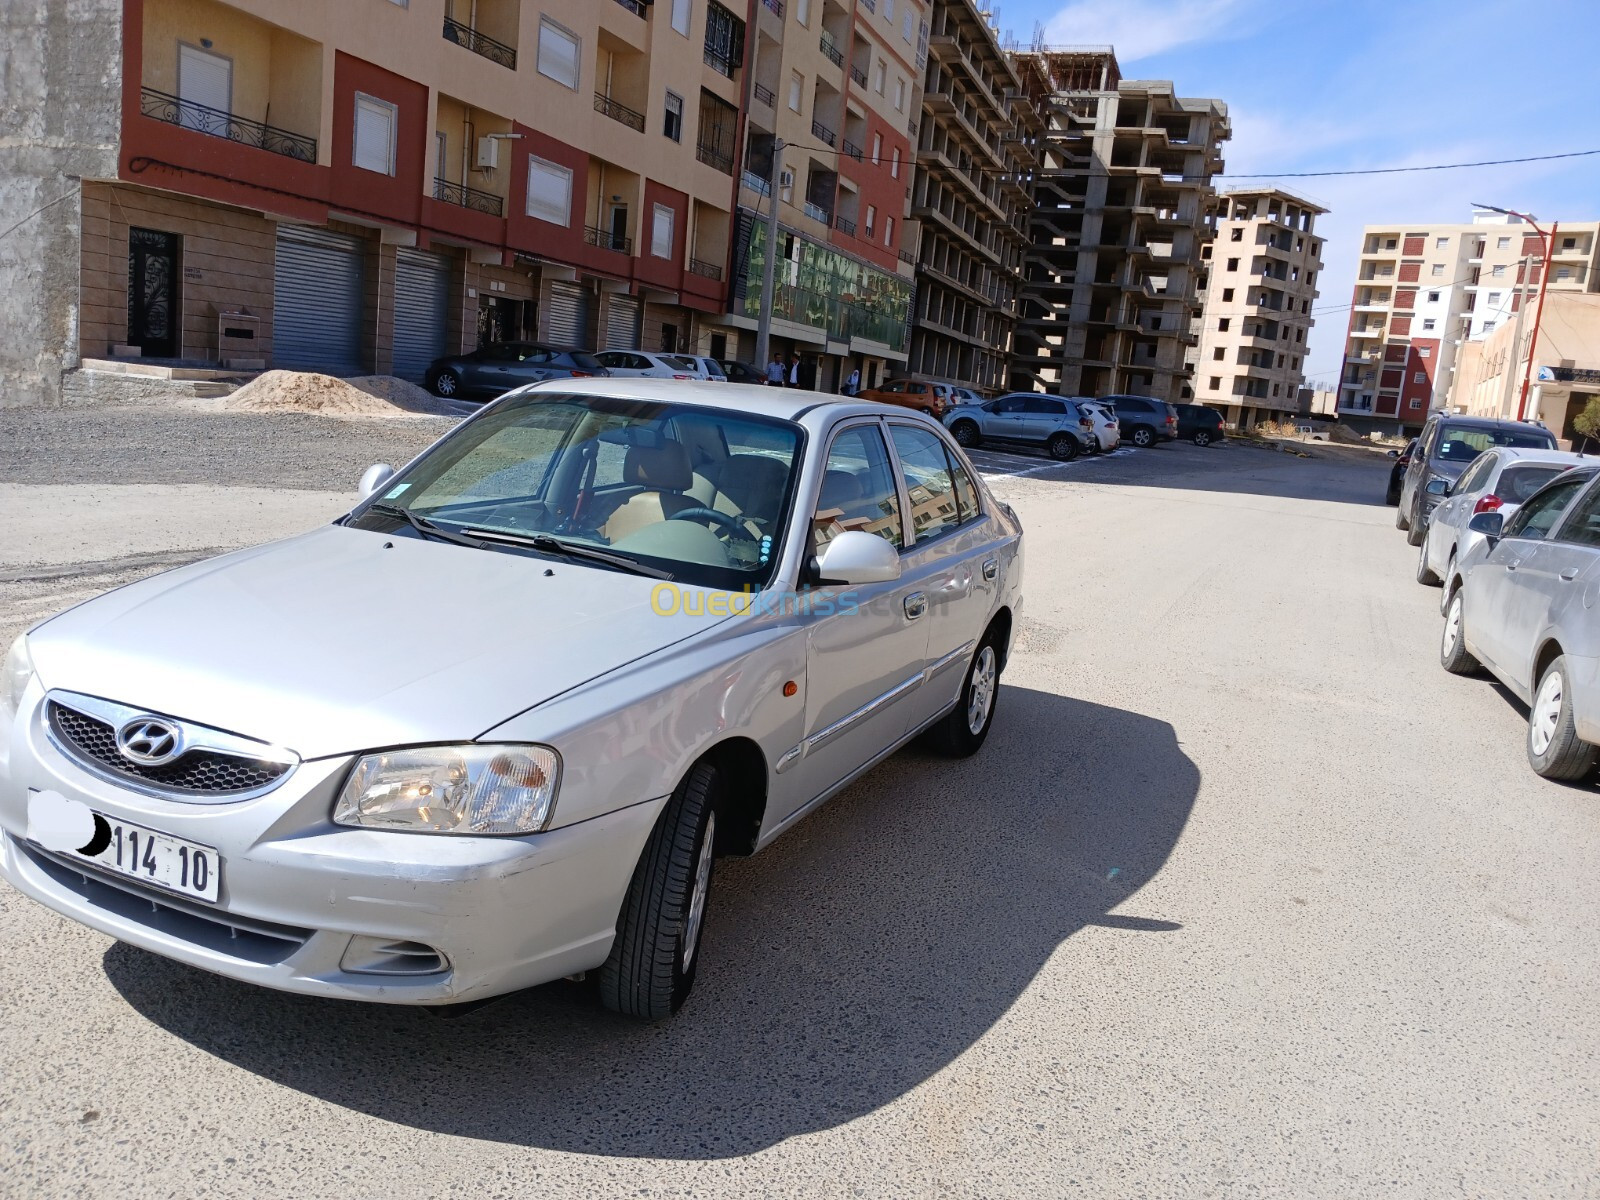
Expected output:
(1245, 895)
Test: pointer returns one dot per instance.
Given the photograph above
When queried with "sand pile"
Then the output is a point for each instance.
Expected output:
(362, 396)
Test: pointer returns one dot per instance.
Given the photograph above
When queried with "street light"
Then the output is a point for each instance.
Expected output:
(1549, 240)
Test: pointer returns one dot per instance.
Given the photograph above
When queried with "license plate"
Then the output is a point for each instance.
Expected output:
(156, 858)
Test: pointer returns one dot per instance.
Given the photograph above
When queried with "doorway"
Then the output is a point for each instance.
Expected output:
(619, 227)
(153, 292)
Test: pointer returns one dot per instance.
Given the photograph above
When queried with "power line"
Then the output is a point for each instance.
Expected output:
(1493, 162)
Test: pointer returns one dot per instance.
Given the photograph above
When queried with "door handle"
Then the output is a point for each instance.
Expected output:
(916, 605)
(991, 568)
(1569, 574)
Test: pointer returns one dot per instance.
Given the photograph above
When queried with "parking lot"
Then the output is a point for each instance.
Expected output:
(1244, 895)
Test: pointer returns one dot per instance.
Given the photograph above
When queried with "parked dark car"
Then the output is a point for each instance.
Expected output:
(1402, 460)
(1144, 419)
(1446, 447)
(495, 369)
(742, 372)
(1201, 425)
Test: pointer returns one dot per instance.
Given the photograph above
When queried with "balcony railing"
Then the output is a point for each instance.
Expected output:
(858, 76)
(618, 112)
(833, 52)
(720, 62)
(870, 5)
(606, 240)
(465, 35)
(853, 150)
(762, 187)
(775, 6)
(822, 133)
(907, 257)
(766, 95)
(466, 197)
(844, 224)
(636, 7)
(189, 115)
(815, 211)
(709, 270)
(714, 156)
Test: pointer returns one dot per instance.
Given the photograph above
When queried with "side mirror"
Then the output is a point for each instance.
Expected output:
(1393, 454)
(1490, 524)
(1438, 487)
(856, 557)
(375, 477)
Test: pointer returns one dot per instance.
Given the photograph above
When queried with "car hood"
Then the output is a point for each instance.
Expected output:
(342, 640)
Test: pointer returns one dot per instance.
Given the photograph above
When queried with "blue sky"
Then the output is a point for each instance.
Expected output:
(1321, 85)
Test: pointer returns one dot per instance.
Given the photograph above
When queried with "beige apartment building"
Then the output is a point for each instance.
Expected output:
(837, 83)
(1122, 214)
(971, 201)
(366, 186)
(1257, 292)
(1423, 291)
(1494, 376)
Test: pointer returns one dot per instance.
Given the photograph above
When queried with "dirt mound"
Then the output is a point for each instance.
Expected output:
(363, 396)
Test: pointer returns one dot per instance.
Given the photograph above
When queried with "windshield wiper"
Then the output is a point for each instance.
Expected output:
(424, 526)
(552, 545)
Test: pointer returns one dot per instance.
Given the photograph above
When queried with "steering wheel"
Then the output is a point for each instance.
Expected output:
(732, 524)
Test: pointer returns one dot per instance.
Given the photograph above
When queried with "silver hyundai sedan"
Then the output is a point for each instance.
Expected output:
(492, 728)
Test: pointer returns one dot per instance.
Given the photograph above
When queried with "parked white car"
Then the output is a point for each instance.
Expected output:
(963, 395)
(704, 366)
(1107, 430)
(1499, 480)
(646, 364)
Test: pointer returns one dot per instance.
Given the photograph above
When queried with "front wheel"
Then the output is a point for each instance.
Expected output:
(966, 434)
(1555, 751)
(961, 733)
(1453, 654)
(1063, 446)
(1425, 573)
(653, 960)
(1144, 437)
(447, 384)
(1416, 524)
(1202, 437)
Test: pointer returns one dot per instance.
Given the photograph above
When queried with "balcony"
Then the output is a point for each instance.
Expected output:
(758, 185)
(604, 239)
(467, 197)
(478, 43)
(714, 156)
(636, 7)
(618, 112)
(835, 55)
(858, 76)
(189, 115)
(720, 62)
(765, 95)
(815, 211)
(853, 150)
(822, 133)
(706, 270)
(775, 7)
(844, 225)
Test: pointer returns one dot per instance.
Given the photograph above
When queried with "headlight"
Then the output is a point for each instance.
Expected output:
(15, 672)
(452, 789)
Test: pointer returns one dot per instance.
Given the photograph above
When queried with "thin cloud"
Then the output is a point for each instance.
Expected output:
(1141, 28)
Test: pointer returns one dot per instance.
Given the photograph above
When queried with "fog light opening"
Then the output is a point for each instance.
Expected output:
(389, 956)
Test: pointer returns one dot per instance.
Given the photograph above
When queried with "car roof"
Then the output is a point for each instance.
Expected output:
(788, 404)
(1510, 455)
(1488, 422)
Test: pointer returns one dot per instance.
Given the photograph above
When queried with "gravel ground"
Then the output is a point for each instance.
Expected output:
(128, 445)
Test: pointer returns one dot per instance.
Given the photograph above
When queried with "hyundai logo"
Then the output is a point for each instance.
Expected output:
(149, 741)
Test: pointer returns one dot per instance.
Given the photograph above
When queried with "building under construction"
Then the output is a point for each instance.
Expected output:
(1121, 202)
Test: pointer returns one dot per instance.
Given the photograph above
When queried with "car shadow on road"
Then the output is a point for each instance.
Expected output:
(860, 954)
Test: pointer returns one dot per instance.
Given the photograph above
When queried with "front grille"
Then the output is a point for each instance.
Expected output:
(224, 932)
(196, 771)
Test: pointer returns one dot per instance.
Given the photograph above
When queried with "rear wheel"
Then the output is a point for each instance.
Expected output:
(1425, 573)
(652, 963)
(963, 729)
(447, 383)
(1555, 751)
(1416, 524)
(966, 434)
(1063, 446)
(1143, 436)
(1453, 654)
(1202, 437)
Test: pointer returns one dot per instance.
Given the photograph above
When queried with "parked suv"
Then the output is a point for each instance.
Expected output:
(1144, 419)
(909, 393)
(1446, 447)
(1027, 418)
(1201, 425)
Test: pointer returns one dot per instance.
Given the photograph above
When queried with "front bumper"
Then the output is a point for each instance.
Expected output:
(303, 901)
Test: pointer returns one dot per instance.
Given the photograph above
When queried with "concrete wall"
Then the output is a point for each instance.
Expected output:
(60, 97)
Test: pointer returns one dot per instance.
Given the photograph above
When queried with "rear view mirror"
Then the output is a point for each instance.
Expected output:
(857, 557)
(1490, 524)
(375, 477)
(1438, 487)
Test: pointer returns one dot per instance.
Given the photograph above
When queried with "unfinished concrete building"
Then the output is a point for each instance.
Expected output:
(1122, 202)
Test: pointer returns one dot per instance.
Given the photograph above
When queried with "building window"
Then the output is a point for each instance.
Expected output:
(1494, 298)
(1424, 351)
(1219, 354)
(1438, 270)
(680, 16)
(1563, 273)
(894, 164)
(880, 76)
(899, 94)
(1216, 383)
(1502, 243)
(1233, 264)
(372, 144)
(673, 126)
(1223, 323)
(872, 219)
(558, 54)
(1416, 403)
(661, 232)
(1569, 243)
(1499, 271)
(905, 25)
(797, 87)
(1488, 326)
(549, 191)
(1390, 244)
(888, 231)
(1433, 297)
(888, 10)
(1419, 377)
(1227, 294)
(1236, 235)
(877, 149)
(802, 12)
(1427, 325)
(1441, 243)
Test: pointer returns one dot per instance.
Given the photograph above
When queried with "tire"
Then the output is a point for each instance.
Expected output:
(1555, 751)
(1062, 446)
(1451, 584)
(1453, 656)
(966, 434)
(1143, 437)
(447, 384)
(1391, 497)
(927, 412)
(653, 961)
(1402, 520)
(1425, 576)
(1416, 530)
(962, 730)
(1202, 437)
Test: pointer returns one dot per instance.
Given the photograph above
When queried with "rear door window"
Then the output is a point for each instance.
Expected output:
(926, 470)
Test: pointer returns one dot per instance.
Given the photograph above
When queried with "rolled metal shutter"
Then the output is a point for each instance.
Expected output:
(421, 310)
(622, 323)
(569, 315)
(317, 301)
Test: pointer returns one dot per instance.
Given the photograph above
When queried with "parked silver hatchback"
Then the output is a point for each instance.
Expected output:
(493, 727)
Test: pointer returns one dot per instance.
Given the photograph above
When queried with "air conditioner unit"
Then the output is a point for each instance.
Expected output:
(786, 179)
(488, 153)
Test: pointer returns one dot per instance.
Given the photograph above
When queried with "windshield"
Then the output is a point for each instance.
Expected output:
(700, 493)
(1462, 444)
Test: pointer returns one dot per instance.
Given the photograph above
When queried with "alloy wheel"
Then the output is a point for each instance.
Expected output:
(980, 697)
(697, 898)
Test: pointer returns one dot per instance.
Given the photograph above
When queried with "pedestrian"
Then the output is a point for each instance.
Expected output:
(794, 370)
(852, 385)
(775, 371)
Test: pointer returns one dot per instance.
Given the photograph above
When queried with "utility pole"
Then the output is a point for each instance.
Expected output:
(769, 263)
(1516, 340)
(1533, 342)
